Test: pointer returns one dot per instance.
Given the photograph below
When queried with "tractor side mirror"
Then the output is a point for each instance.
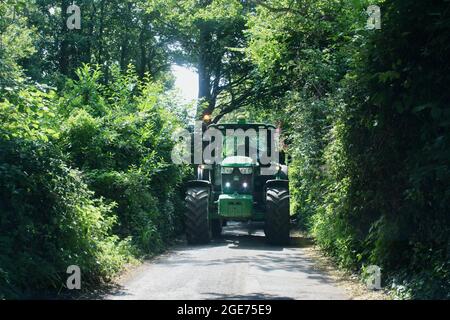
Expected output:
(282, 157)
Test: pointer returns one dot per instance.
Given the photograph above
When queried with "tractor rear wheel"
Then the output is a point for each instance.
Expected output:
(196, 215)
(277, 225)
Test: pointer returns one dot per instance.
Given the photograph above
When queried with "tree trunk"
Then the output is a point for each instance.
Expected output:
(143, 48)
(100, 32)
(90, 36)
(124, 54)
(204, 76)
(64, 46)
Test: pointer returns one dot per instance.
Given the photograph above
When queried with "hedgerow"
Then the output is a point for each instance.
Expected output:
(368, 130)
(84, 181)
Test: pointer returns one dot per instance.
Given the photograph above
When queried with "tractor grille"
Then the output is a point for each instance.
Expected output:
(234, 182)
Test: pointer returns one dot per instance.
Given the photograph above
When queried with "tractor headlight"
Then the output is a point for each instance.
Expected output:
(227, 170)
(246, 170)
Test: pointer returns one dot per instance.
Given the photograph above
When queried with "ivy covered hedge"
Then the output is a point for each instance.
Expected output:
(370, 132)
(85, 179)
(51, 220)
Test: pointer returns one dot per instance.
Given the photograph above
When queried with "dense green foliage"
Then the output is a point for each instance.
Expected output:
(51, 220)
(210, 35)
(85, 171)
(49, 217)
(112, 32)
(370, 137)
(122, 142)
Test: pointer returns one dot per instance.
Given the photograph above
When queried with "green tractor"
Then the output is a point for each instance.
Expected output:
(240, 187)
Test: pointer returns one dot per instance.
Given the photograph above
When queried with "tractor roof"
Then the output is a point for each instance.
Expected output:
(244, 126)
(235, 161)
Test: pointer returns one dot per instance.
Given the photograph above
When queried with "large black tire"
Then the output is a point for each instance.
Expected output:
(196, 216)
(277, 225)
(216, 228)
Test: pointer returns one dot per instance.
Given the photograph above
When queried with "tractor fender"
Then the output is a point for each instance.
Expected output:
(198, 183)
(277, 183)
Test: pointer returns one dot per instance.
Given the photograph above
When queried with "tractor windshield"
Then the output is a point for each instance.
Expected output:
(250, 143)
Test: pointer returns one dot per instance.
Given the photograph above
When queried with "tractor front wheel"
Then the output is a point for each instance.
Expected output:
(216, 228)
(277, 225)
(196, 216)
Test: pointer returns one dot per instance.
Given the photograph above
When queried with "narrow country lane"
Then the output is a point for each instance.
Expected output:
(238, 266)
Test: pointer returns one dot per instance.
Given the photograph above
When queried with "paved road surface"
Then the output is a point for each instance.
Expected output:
(238, 266)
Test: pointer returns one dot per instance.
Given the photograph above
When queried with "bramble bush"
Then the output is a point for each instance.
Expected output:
(86, 179)
(49, 217)
(370, 135)
(387, 193)
(124, 152)
(50, 220)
